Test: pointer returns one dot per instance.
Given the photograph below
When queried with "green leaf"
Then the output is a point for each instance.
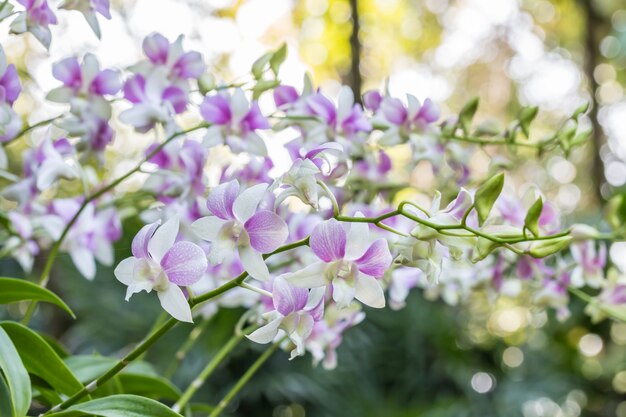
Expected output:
(487, 195)
(13, 289)
(16, 376)
(258, 68)
(86, 368)
(467, 114)
(40, 359)
(543, 248)
(278, 58)
(152, 386)
(526, 117)
(5, 398)
(118, 406)
(532, 217)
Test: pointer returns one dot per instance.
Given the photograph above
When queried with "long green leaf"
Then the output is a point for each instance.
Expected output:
(16, 375)
(5, 398)
(88, 367)
(152, 386)
(119, 406)
(13, 289)
(40, 359)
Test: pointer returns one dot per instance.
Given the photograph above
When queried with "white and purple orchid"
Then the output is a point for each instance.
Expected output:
(295, 311)
(36, 19)
(238, 224)
(177, 64)
(399, 119)
(590, 263)
(347, 263)
(234, 121)
(161, 264)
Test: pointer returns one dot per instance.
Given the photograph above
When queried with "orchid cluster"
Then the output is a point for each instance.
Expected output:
(306, 250)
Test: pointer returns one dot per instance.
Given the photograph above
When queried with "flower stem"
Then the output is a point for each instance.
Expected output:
(244, 379)
(31, 127)
(181, 354)
(45, 274)
(210, 368)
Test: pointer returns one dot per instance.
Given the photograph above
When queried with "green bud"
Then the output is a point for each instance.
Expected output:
(487, 195)
(277, 58)
(258, 68)
(543, 248)
(467, 114)
(526, 116)
(532, 217)
(206, 83)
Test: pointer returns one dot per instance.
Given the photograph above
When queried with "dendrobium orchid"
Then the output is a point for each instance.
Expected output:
(238, 224)
(347, 263)
(590, 264)
(160, 263)
(235, 121)
(400, 120)
(178, 65)
(295, 312)
(36, 19)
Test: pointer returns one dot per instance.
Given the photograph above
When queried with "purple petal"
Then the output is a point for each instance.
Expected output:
(68, 72)
(328, 241)
(102, 7)
(189, 65)
(176, 97)
(106, 82)
(216, 109)
(267, 231)
(184, 263)
(254, 119)
(429, 112)
(141, 239)
(221, 200)
(376, 259)
(372, 100)
(134, 89)
(156, 47)
(288, 298)
(285, 94)
(394, 111)
(10, 82)
(323, 107)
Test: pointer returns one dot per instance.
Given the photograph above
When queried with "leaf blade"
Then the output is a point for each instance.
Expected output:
(13, 290)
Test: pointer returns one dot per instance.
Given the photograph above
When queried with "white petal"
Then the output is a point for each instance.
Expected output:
(369, 291)
(163, 239)
(239, 105)
(84, 261)
(343, 292)
(208, 228)
(345, 100)
(124, 271)
(266, 333)
(414, 105)
(253, 263)
(246, 204)
(50, 171)
(174, 302)
(312, 276)
(358, 239)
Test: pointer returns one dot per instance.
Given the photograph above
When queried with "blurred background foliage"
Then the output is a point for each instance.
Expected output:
(485, 358)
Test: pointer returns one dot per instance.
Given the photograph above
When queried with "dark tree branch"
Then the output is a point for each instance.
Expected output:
(355, 51)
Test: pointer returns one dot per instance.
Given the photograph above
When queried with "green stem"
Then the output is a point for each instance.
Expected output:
(330, 195)
(244, 380)
(31, 127)
(209, 369)
(45, 274)
(181, 354)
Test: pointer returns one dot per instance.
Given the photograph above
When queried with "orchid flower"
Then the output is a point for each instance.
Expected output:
(89, 9)
(590, 264)
(235, 122)
(86, 81)
(346, 262)
(10, 88)
(295, 312)
(238, 224)
(400, 120)
(177, 64)
(160, 263)
(36, 19)
(155, 100)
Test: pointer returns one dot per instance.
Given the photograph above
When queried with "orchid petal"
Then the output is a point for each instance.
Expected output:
(376, 260)
(253, 263)
(343, 292)
(174, 302)
(312, 276)
(267, 333)
(288, 298)
(248, 201)
(369, 291)
(267, 231)
(163, 239)
(124, 271)
(208, 228)
(139, 246)
(184, 263)
(358, 239)
(328, 241)
(222, 198)
(84, 261)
